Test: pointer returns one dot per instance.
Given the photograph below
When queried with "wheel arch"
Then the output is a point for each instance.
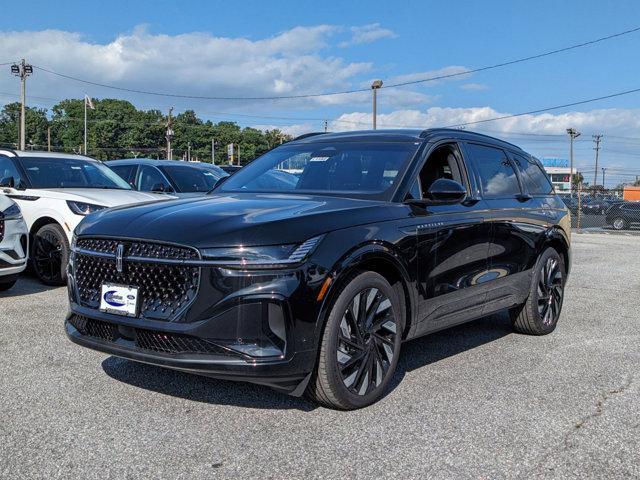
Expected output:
(558, 239)
(378, 257)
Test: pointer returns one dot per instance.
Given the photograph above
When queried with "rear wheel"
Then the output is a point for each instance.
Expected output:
(619, 223)
(539, 314)
(50, 254)
(360, 344)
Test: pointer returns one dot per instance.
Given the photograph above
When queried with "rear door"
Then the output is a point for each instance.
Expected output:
(517, 221)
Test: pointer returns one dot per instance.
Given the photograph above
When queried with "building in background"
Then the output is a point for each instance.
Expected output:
(559, 172)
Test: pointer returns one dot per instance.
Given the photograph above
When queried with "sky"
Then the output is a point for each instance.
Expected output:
(287, 48)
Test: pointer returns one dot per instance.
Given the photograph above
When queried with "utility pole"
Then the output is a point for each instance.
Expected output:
(169, 135)
(375, 86)
(238, 153)
(604, 170)
(188, 151)
(213, 151)
(573, 134)
(22, 70)
(48, 139)
(596, 139)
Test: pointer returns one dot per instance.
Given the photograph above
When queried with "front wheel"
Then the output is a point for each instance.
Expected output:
(619, 223)
(360, 344)
(540, 313)
(50, 254)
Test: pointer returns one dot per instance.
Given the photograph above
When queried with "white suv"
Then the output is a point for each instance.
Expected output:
(13, 243)
(55, 192)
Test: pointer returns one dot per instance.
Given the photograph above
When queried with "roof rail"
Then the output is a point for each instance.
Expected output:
(311, 134)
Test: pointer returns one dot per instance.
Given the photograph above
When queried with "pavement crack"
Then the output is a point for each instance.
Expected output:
(598, 411)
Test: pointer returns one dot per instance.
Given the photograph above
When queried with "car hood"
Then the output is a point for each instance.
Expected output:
(238, 219)
(98, 196)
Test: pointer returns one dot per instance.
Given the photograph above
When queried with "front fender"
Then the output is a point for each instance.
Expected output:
(366, 255)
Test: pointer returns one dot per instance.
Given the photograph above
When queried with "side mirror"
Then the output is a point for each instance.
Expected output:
(8, 182)
(444, 190)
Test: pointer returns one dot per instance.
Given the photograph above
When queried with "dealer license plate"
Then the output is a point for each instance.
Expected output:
(119, 299)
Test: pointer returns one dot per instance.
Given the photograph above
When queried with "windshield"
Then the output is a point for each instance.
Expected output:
(194, 179)
(358, 169)
(56, 172)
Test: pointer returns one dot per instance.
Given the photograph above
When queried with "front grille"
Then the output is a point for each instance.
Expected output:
(138, 249)
(94, 328)
(164, 290)
(150, 340)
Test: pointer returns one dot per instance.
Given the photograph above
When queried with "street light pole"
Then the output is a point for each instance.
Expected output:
(573, 134)
(22, 70)
(375, 86)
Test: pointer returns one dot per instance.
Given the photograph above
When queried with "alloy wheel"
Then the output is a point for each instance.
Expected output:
(47, 256)
(550, 290)
(366, 341)
(618, 224)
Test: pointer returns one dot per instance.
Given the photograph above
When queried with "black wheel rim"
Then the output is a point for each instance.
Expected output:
(366, 341)
(47, 256)
(550, 292)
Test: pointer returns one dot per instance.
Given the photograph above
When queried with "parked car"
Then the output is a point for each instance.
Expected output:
(230, 169)
(596, 207)
(168, 176)
(55, 191)
(386, 236)
(13, 243)
(623, 215)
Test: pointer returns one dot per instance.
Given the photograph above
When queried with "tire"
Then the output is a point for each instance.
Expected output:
(619, 223)
(540, 313)
(7, 284)
(50, 255)
(358, 353)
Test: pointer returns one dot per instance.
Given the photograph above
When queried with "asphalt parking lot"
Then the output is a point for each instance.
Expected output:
(477, 401)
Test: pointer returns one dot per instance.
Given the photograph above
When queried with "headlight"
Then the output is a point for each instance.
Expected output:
(261, 257)
(82, 208)
(12, 212)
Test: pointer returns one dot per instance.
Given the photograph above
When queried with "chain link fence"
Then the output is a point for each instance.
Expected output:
(604, 209)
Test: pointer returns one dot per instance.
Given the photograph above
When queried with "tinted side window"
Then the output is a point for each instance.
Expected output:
(498, 177)
(9, 173)
(534, 178)
(150, 177)
(126, 172)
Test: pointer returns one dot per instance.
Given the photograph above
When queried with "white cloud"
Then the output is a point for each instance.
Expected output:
(620, 121)
(368, 34)
(293, 130)
(289, 63)
(474, 86)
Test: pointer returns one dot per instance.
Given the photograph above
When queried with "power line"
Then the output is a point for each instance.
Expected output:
(547, 109)
(344, 92)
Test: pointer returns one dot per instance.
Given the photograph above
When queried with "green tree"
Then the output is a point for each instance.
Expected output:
(36, 124)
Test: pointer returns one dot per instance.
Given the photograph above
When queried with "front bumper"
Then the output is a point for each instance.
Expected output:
(289, 373)
(13, 248)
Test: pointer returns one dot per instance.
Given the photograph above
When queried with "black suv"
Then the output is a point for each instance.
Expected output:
(624, 215)
(312, 285)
